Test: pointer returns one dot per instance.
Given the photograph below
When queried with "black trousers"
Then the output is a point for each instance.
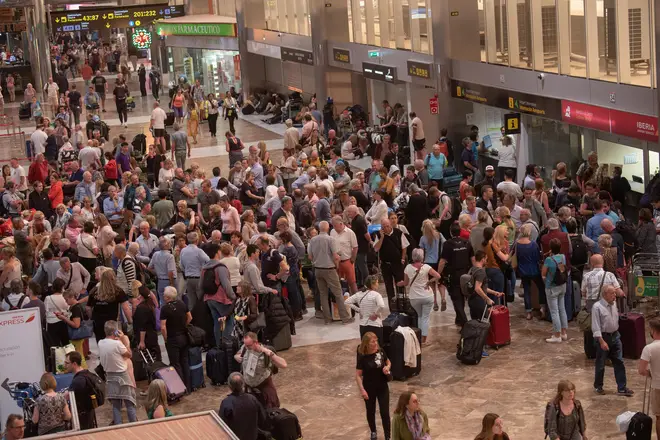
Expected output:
(213, 124)
(378, 331)
(383, 397)
(59, 334)
(154, 90)
(143, 88)
(458, 300)
(392, 273)
(477, 306)
(122, 111)
(177, 351)
(231, 120)
(90, 265)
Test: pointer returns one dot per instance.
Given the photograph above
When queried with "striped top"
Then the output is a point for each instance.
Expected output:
(366, 304)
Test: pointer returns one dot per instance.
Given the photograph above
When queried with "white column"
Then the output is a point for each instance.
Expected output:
(357, 22)
(491, 39)
(409, 106)
(398, 24)
(513, 34)
(523, 146)
(415, 37)
(564, 31)
(593, 61)
(537, 35)
(370, 21)
(375, 109)
(623, 41)
(384, 22)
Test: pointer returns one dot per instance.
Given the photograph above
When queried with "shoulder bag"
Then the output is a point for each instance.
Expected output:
(584, 317)
(85, 331)
(100, 259)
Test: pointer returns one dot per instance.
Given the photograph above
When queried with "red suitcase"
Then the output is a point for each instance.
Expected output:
(500, 327)
(633, 338)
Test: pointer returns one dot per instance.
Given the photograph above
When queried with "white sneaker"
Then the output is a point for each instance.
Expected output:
(553, 340)
(125, 125)
(564, 337)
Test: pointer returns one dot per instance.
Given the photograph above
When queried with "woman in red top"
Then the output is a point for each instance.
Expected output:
(110, 169)
(465, 222)
(56, 193)
(467, 178)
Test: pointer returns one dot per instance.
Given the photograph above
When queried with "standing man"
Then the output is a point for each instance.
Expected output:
(163, 265)
(180, 146)
(81, 386)
(467, 158)
(391, 246)
(605, 327)
(361, 231)
(649, 366)
(347, 248)
(18, 176)
(456, 260)
(419, 141)
(594, 229)
(323, 252)
(75, 103)
(158, 117)
(192, 259)
(52, 93)
(121, 93)
(101, 87)
(435, 165)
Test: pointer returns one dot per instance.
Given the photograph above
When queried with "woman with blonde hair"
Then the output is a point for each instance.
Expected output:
(108, 302)
(528, 255)
(540, 195)
(566, 421)
(465, 222)
(264, 156)
(431, 243)
(193, 120)
(504, 214)
(249, 228)
(560, 178)
(371, 375)
(105, 236)
(496, 246)
(609, 253)
(156, 404)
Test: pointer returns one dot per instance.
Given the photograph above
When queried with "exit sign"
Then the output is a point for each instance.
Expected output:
(374, 54)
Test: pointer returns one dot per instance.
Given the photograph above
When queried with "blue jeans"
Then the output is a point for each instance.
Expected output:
(160, 288)
(615, 354)
(527, 285)
(495, 281)
(311, 282)
(557, 306)
(423, 307)
(116, 411)
(219, 310)
(294, 295)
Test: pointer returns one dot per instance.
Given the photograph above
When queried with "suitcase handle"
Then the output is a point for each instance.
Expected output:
(151, 358)
(483, 315)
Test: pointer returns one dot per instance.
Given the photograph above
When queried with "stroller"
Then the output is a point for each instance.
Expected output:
(130, 103)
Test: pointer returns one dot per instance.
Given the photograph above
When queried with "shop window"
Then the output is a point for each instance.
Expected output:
(612, 152)
(577, 38)
(521, 46)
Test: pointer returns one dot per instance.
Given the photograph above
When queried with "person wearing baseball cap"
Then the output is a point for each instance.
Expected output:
(490, 180)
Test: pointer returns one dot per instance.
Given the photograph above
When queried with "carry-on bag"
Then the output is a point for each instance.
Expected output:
(196, 368)
(284, 424)
(216, 366)
(176, 389)
(633, 338)
(395, 352)
(641, 424)
(474, 333)
(282, 341)
(394, 320)
(151, 366)
(139, 366)
(500, 327)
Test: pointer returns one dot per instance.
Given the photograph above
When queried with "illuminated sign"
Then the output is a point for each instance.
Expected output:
(205, 29)
(112, 17)
(341, 55)
(419, 70)
(512, 123)
(142, 39)
(379, 72)
(297, 56)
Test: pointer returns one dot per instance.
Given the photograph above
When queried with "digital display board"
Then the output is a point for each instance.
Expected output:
(419, 69)
(380, 72)
(341, 55)
(113, 17)
(297, 56)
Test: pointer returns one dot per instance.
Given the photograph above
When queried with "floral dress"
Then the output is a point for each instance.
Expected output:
(241, 309)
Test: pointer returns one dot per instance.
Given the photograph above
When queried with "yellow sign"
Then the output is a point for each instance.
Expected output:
(511, 102)
(512, 123)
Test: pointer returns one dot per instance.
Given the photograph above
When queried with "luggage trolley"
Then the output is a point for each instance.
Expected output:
(644, 278)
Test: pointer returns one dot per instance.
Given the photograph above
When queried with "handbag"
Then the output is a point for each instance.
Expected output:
(85, 331)
(584, 317)
(196, 335)
(100, 259)
(514, 257)
(258, 323)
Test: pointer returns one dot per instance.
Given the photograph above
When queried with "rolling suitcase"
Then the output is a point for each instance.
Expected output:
(589, 345)
(176, 389)
(139, 366)
(282, 341)
(169, 121)
(395, 352)
(633, 338)
(230, 348)
(474, 333)
(394, 320)
(284, 424)
(216, 366)
(150, 365)
(641, 424)
(500, 327)
(196, 368)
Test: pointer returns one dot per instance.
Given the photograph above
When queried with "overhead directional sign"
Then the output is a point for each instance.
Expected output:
(112, 17)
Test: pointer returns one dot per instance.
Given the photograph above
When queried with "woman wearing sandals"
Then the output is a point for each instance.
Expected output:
(565, 415)
(431, 243)
(418, 276)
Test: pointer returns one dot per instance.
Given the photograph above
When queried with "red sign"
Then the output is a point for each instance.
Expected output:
(634, 125)
(237, 67)
(433, 106)
(585, 115)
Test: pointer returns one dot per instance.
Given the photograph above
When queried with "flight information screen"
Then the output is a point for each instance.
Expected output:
(112, 17)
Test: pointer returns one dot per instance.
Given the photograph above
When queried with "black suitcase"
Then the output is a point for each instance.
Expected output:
(473, 339)
(589, 345)
(202, 318)
(394, 320)
(169, 121)
(196, 368)
(282, 341)
(284, 424)
(150, 365)
(230, 348)
(395, 350)
(216, 366)
(25, 111)
(139, 367)
(641, 425)
(168, 142)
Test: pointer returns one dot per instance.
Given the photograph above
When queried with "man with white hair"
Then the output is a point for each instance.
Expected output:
(174, 318)
(274, 203)
(113, 205)
(162, 264)
(89, 155)
(526, 218)
(347, 248)
(323, 252)
(147, 242)
(305, 179)
(192, 260)
(285, 210)
(75, 276)
(38, 139)
(291, 136)
(86, 188)
(282, 225)
(422, 174)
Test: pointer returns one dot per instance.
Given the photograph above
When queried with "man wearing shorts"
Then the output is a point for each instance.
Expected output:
(158, 117)
(51, 90)
(101, 87)
(417, 135)
(347, 248)
(649, 365)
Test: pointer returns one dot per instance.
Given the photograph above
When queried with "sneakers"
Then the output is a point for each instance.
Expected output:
(319, 315)
(625, 392)
(348, 321)
(553, 340)
(125, 125)
(374, 436)
(599, 390)
(484, 354)
(564, 337)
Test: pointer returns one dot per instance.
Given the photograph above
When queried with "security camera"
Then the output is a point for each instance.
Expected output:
(541, 76)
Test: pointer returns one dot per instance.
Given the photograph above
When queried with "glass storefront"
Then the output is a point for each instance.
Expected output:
(599, 39)
(216, 70)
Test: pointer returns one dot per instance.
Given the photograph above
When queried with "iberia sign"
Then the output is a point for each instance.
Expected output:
(203, 29)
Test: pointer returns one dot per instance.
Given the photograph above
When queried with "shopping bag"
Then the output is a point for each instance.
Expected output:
(59, 354)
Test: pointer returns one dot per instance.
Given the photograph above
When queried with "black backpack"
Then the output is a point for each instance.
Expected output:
(210, 281)
(629, 234)
(561, 276)
(18, 305)
(98, 388)
(456, 207)
(305, 217)
(580, 255)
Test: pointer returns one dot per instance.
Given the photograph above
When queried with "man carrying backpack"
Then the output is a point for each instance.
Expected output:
(215, 284)
(16, 299)
(88, 388)
(456, 260)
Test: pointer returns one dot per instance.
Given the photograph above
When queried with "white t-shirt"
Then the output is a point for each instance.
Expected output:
(52, 89)
(234, 266)
(14, 299)
(88, 156)
(159, 116)
(38, 139)
(416, 122)
(651, 354)
(16, 174)
(507, 156)
(110, 354)
(346, 242)
(418, 289)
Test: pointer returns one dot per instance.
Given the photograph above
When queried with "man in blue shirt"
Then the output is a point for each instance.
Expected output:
(113, 206)
(594, 230)
(435, 165)
(305, 179)
(192, 259)
(467, 156)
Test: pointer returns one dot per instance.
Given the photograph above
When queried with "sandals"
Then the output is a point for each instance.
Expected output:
(444, 305)
(435, 307)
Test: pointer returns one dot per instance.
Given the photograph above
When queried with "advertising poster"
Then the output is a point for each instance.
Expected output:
(21, 356)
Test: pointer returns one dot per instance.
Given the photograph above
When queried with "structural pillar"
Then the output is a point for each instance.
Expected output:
(242, 36)
(317, 11)
(39, 45)
(442, 62)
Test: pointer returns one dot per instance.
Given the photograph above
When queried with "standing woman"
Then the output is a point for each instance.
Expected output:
(370, 306)
(174, 318)
(492, 428)
(144, 323)
(108, 301)
(193, 120)
(57, 305)
(506, 158)
(11, 88)
(249, 225)
(372, 373)
(430, 242)
(51, 410)
(417, 277)
(87, 248)
(105, 238)
(245, 310)
(234, 147)
(177, 106)
(231, 221)
(409, 421)
(555, 292)
(528, 255)
(541, 196)
(230, 110)
(212, 114)
(567, 421)
(288, 167)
